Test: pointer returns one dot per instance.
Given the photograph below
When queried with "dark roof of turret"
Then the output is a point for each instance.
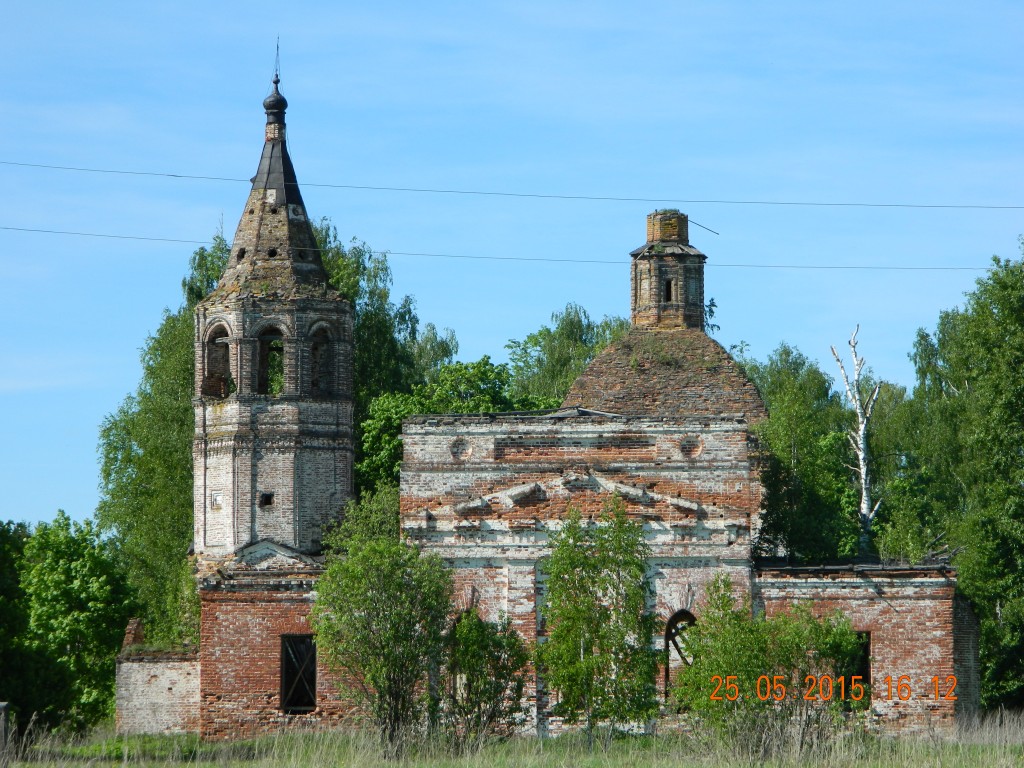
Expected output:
(276, 170)
(274, 252)
(671, 372)
(275, 102)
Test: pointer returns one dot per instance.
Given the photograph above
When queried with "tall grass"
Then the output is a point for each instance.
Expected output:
(995, 742)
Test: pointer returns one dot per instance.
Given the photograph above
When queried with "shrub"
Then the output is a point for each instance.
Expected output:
(484, 681)
(764, 680)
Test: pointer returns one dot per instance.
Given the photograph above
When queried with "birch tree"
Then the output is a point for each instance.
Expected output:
(858, 434)
(599, 652)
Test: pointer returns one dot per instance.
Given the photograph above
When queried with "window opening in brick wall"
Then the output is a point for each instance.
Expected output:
(270, 378)
(862, 662)
(298, 674)
(692, 286)
(217, 380)
(266, 499)
(677, 653)
(670, 290)
(320, 363)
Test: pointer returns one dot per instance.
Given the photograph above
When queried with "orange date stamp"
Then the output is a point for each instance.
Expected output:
(829, 688)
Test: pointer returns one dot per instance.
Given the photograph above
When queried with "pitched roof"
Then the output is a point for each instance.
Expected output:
(671, 372)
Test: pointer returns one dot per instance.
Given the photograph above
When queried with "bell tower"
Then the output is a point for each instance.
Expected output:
(272, 452)
(667, 275)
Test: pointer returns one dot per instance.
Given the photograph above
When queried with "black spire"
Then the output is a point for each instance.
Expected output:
(275, 170)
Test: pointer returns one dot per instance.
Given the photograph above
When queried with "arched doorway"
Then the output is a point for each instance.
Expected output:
(677, 654)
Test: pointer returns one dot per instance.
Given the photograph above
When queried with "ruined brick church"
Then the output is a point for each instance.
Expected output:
(664, 418)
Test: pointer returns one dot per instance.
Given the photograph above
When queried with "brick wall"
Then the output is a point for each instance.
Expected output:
(966, 663)
(486, 493)
(240, 682)
(296, 446)
(157, 693)
(912, 617)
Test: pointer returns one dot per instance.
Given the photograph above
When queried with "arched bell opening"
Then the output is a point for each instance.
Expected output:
(270, 374)
(321, 364)
(217, 381)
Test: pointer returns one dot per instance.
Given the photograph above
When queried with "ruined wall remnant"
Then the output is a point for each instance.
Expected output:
(923, 671)
(157, 692)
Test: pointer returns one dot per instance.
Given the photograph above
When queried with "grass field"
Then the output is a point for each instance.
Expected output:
(997, 742)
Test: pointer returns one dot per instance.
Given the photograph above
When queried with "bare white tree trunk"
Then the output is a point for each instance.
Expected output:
(858, 436)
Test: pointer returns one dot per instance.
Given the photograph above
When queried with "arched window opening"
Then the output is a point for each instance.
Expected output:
(677, 653)
(321, 364)
(692, 286)
(270, 380)
(217, 381)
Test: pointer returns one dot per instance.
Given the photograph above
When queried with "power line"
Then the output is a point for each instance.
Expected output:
(523, 258)
(542, 196)
(113, 237)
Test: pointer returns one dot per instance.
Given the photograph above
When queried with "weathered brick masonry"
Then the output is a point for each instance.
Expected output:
(663, 418)
(486, 492)
(919, 629)
(243, 621)
(157, 691)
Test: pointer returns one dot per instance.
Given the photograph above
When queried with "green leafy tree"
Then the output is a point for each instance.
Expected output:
(907, 528)
(484, 681)
(969, 401)
(599, 652)
(146, 463)
(810, 501)
(380, 617)
(18, 665)
(479, 387)
(548, 361)
(749, 674)
(391, 354)
(373, 517)
(13, 615)
(32, 680)
(78, 602)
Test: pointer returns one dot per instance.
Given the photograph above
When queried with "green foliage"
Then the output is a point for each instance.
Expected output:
(484, 681)
(373, 517)
(391, 355)
(380, 618)
(969, 404)
(548, 361)
(146, 461)
(13, 616)
(905, 533)
(810, 501)
(598, 654)
(275, 368)
(730, 646)
(479, 387)
(22, 669)
(78, 604)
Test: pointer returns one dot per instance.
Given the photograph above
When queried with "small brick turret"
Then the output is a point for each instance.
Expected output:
(668, 275)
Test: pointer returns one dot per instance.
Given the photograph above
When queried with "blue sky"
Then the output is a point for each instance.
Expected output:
(894, 102)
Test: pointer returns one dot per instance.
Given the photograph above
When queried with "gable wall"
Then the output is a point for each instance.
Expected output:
(486, 493)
